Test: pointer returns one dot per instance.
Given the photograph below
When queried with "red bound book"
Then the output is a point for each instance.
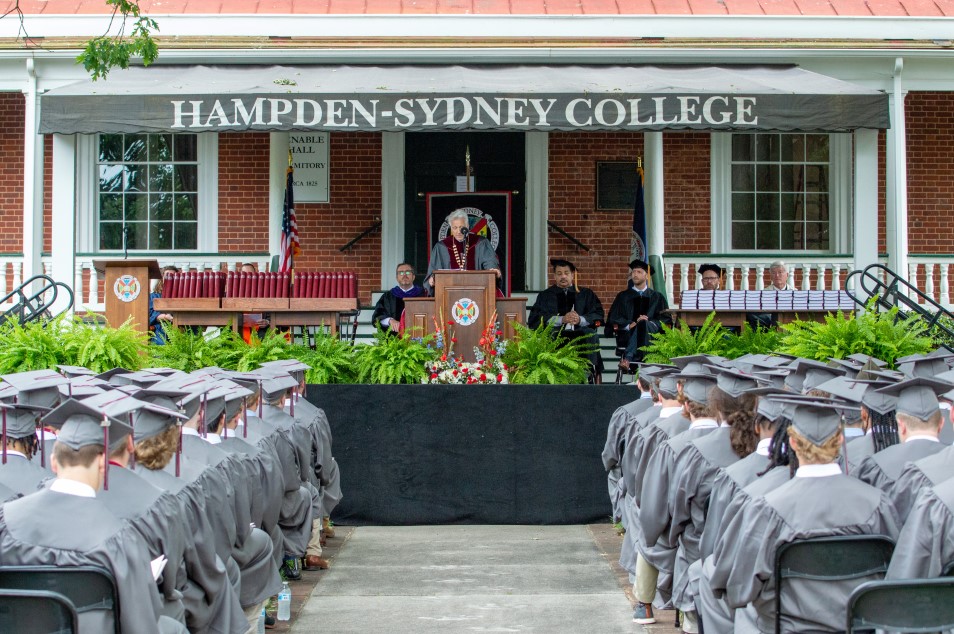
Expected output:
(270, 288)
(220, 283)
(209, 284)
(322, 286)
(339, 284)
(169, 285)
(354, 285)
(230, 285)
(260, 286)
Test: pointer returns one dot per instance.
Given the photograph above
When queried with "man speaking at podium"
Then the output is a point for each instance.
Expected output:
(461, 250)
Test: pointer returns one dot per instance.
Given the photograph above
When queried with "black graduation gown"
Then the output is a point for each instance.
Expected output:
(627, 306)
(553, 300)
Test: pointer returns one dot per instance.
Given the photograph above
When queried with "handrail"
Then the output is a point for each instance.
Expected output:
(888, 296)
(361, 236)
(29, 308)
(563, 233)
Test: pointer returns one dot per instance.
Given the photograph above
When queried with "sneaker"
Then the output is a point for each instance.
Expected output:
(290, 570)
(643, 614)
(690, 622)
(269, 622)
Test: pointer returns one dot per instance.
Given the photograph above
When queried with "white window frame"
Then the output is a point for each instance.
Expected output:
(87, 175)
(840, 184)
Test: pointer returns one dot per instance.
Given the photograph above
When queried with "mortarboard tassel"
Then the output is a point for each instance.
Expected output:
(4, 436)
(202, 427)
(261, 398)
(42, 445)
(291, 405)
(178, 448)
(105, 425)
(132, 455)
(244, 417)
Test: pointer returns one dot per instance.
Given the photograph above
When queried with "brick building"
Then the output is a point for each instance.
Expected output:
(820, 182)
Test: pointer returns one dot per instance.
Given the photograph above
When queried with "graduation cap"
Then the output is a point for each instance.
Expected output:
(816, 419)
(139, 379)
(918, 396)
(166, 398)
(683, 363)
(81, 390)
(735, 383)
(842, 387)
(696, 387)
(771, 410)
(668, 385)
(555, 262)
(81, 425)
(152, 420)
(71, 371)
(775, 377)
(924, 366)
(167, 372)
(39, 387)
(109, 374)
(715, 268)
(275, 385)
(18, 421)
(638, 264)
(865, 359)
(229, 398)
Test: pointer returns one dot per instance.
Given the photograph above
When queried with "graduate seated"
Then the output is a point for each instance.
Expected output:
(636, 314)
(18, 471)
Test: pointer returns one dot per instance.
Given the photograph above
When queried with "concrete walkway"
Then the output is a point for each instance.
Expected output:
(469, 579)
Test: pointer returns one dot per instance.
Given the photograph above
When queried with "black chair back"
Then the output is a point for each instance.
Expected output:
(839, 558)
(948, 570)
(909, 605)
(89, 588)
(37, 612)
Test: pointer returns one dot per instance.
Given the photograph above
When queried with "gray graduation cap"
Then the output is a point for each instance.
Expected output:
(168, 399)
(276, 384)
(865, 359)
(83, 386)
(71, 371)
(288, 365)
(925, 366)
(918, 396)
(696, 387)
(81, 425)
(814, 418)
(139, 379)
(668, 385)
(736, 383)
(20, 420)
(151, 420)
(684, 363)
(771, 410)
(39, 387)
(816, 376)
(843, 387)
(109, 374)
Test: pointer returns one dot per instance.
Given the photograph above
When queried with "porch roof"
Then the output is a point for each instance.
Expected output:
(498, 97)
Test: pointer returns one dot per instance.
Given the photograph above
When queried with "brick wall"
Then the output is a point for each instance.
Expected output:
(243, 192)
(930, 129)
(11, 172)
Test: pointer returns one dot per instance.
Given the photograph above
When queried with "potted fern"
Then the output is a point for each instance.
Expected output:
(394, 359)
(710, 338)
(539, 357)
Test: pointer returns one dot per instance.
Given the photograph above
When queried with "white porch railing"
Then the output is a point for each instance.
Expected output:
(933, 275)
(88, 286)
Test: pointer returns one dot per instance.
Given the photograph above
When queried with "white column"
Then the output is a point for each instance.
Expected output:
(865, 212)
(655, 195)
(277, 166)
(32, 179)
(538, 207)
(64, 217)
(392, 206)
(896, 187)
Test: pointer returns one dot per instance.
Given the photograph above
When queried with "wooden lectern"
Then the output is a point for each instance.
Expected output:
(468, 299)
(126, 287)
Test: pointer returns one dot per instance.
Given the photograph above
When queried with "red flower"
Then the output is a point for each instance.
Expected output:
(504, 365)
(493, 353)
(499, 333)
(453, 339)
(434, 376)
(499, 378)
(483, 377)
(443, 357)
(482, 341)
(450, 323)
(455, 372)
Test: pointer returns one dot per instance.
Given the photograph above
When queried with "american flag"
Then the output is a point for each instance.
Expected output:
(291, 248)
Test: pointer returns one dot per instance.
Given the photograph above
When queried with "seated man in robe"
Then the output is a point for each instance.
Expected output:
(18, 470)
(575, 311)
(390, 307)
(636, 314)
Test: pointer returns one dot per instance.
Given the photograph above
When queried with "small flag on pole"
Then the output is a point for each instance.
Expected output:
(638, 245)
(291, 248)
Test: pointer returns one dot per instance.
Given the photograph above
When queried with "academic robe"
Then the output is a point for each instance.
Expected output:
(655, 515)
(727, 486)
(622, 420)
(802, 508)
(883, 468)
(694, 472)
(480, 257)
(194, 577)
(858, 449)
(57, 529)
(627, 306)
(22, 475)
(391, 306)
(926, 472)
(925, 547)
(7, 494)
(300, 438)
(328, 477)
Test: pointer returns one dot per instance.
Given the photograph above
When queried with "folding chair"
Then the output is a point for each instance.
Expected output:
(838, 558)
(948, 570)
(909, 605)
(37, 612)
(89, 588)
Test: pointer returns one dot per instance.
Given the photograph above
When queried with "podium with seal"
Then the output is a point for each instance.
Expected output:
(126, 290)
(467, 299)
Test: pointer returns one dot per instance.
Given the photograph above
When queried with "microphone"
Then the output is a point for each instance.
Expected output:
(464, 231)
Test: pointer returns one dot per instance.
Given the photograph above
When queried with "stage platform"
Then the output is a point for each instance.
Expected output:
(470, 454)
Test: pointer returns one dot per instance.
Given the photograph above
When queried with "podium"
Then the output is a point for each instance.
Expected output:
(126, 290)
(468, 299)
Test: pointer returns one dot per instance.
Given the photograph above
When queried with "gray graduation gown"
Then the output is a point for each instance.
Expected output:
(694, 472)
(52, 528)
(859, 448)
(325, 468)
(655, 515)
(300, 438)
(924, 473)
(883, 468)
(726, 487)
(622, 420)
(801, 508)
(22, 475)
(925, 547)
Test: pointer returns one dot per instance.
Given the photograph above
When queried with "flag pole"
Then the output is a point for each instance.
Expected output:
(291, 257)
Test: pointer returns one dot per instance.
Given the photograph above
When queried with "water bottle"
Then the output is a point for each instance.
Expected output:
(261, 621)
(284, 603)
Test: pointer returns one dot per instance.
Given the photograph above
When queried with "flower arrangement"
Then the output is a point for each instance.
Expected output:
(488, 369)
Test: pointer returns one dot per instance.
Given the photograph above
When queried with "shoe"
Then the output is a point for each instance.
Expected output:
(289, 569)
(643, 614)
(323, 540)
(327, 528)
(690, 622)
(269, 622)
(314, 562)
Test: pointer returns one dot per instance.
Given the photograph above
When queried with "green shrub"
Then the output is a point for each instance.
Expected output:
(540, 357)
(709, 338)
(332, 360)
(101, 348)
(751, 341)
(273, 346)
(35, 346)
(185, 349)
(393, 359)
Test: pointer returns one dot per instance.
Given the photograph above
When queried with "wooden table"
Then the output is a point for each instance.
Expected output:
(736, 317)
(280, 312)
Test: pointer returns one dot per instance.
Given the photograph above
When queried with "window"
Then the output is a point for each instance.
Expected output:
(148, 189)
(780, 192)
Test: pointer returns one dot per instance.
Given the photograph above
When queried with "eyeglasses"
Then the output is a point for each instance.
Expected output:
(405, 272)
(710, 279)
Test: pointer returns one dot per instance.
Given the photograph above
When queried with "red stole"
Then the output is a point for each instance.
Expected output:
(455, 253)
